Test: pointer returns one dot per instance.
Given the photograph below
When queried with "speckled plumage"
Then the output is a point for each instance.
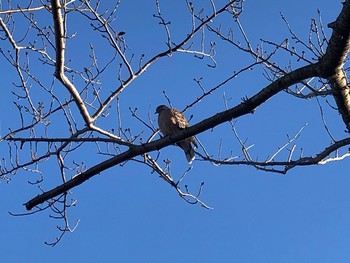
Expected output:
(171, 121)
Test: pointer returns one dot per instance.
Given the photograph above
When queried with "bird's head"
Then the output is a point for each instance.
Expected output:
(161, 108)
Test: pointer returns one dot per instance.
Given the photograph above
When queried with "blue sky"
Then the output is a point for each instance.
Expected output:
(128, 214)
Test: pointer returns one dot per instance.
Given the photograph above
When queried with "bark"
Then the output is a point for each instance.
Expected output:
(331, 64)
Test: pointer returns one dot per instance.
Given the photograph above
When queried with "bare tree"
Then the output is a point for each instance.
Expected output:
(66, 100)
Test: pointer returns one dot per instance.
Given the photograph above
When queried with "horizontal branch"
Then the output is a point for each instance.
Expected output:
(50, 140)
(24, 9)
(304, 161)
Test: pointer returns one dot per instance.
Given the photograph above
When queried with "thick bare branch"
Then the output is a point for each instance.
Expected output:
(60, 38)
(244, 108)
(334, 59)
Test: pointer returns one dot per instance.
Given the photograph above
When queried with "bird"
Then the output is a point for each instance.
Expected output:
(170, 121)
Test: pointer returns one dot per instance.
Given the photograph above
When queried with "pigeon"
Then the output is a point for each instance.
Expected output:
(171, 121)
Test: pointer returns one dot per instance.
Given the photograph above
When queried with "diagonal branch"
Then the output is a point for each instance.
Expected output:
(156, 57)
(244, 108)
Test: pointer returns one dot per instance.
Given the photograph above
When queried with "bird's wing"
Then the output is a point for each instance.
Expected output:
(179, 119)
(181, 122)
(167, 122)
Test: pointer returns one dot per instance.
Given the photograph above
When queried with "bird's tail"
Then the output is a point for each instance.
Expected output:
(188, 149)
(190, 155)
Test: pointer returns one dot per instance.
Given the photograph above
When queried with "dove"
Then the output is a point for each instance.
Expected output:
(171, 121)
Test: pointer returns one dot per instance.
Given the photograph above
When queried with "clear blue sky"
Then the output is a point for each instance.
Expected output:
(128, 214)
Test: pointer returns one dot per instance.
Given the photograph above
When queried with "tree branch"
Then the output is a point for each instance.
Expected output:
(156, 57)
(334, 59)
(60, 58)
